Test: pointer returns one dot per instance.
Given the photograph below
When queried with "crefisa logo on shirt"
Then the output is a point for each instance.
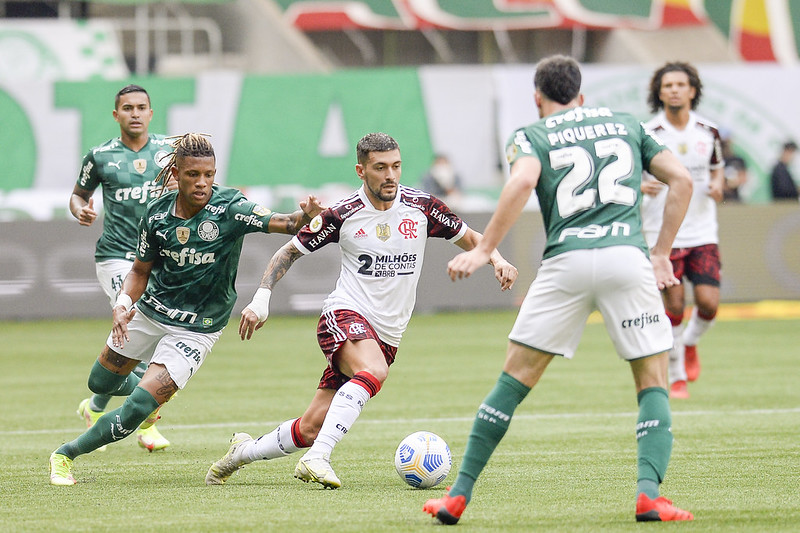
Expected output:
(208, 230)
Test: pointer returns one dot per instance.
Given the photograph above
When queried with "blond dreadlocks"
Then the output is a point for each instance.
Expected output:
(186, 145)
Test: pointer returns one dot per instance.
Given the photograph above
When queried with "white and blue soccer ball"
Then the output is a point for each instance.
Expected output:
(423, 459)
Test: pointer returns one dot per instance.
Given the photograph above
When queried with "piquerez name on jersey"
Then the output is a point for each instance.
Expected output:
(382, 253)
(589, 189)
(127, 181)
(195, 261)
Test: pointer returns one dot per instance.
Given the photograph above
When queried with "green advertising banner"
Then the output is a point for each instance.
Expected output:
(280, 137)
(302, 130)
(95, 102)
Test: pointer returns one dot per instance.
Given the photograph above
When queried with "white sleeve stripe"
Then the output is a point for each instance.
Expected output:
(297, 244)
(461, 233)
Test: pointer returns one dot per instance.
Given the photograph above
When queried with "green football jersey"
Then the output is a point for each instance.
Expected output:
(195, 261)
(589, 188)
(127, 181)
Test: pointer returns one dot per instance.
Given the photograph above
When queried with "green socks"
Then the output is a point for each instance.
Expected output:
(114, 425)
(110, 381)
(491, 424)
(104, 381)
(653, 435)
(653, 438)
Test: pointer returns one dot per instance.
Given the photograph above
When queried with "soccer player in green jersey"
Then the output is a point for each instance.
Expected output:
(182, 283)
(125, 167)
(585, 164)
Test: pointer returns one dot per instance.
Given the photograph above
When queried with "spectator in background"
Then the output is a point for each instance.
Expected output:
(735, 172)
(441, 179)
(783, 185)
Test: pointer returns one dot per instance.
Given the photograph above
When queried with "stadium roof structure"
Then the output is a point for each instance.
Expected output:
(758, 30)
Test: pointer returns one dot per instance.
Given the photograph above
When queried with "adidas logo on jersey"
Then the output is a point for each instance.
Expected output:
(360, 234)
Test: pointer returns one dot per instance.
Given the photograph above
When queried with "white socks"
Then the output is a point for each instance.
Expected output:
(343, 412)
(677, 368)
(696, 327)
(277, 443)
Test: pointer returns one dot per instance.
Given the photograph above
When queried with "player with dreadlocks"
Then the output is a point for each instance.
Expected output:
(177, 297)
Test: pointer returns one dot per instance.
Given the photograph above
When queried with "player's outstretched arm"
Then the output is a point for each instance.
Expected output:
(257, 311)
(504, 272)
(516, 192)
(291, 224)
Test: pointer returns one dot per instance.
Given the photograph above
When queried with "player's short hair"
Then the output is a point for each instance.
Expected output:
(558, 78)
(654, 99)
(374, 142)
(186, 145)
(130, 89)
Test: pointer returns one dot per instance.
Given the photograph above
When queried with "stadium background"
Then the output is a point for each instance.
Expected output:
(287, 87)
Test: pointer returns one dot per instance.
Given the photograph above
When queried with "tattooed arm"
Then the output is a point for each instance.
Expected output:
(291, 224)
(257, 311)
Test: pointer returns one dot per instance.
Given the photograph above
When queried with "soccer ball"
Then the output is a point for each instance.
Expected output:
(423, 459)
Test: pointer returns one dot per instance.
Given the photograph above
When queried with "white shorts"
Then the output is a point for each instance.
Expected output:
(111, 274)
(180, 350)
(618, 281)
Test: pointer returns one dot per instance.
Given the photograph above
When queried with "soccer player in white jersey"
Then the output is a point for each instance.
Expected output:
(675, 91)
(125, 168)
(585, 164)
(381, 229)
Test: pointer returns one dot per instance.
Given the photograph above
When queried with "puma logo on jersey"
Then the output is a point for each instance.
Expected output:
(115, 164)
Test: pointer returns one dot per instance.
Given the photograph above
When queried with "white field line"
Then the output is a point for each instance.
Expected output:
(269, 424)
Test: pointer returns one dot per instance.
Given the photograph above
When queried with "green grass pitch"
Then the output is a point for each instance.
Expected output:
(567, 463)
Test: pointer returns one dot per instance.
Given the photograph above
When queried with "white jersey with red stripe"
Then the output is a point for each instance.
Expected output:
(382, 253)
(698, 146)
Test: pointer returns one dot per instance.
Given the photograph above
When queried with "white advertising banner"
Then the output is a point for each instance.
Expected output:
(59, 50)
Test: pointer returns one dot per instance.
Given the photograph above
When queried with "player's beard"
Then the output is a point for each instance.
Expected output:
(674, 109)
(383, 196)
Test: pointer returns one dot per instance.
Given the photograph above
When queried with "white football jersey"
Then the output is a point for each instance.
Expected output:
(699, 148)
(382, 253)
